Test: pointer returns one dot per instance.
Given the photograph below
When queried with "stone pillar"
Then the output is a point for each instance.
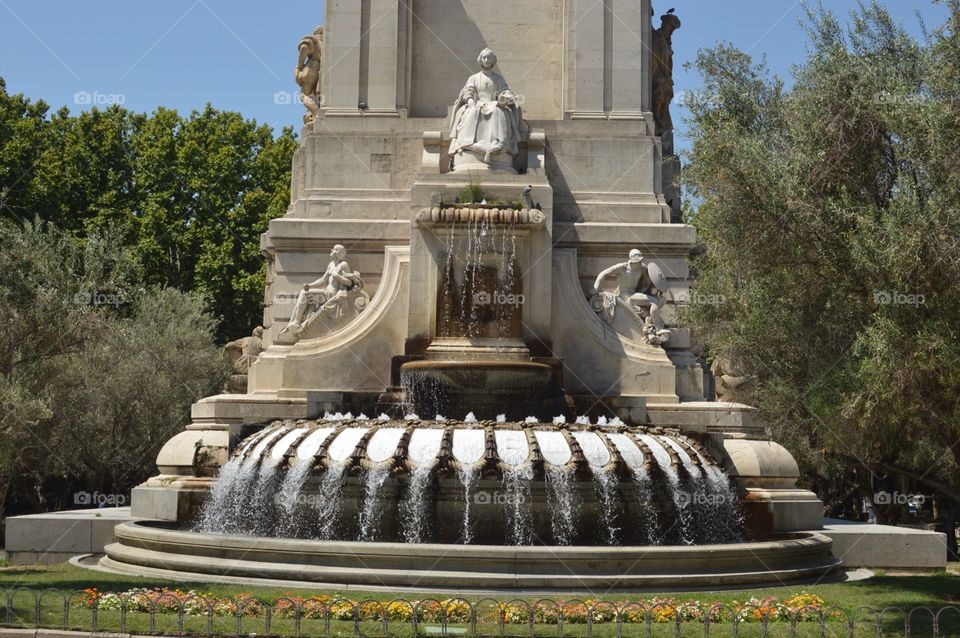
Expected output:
(341, 55)
(626, 37)
(608, 59)
(585, 51)
(382, 42)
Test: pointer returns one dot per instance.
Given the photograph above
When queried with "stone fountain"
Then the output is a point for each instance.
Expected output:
(484, 385)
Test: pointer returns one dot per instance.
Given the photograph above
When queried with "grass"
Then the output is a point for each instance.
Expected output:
(934, 591)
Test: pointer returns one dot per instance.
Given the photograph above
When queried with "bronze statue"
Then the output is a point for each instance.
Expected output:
(663, 79)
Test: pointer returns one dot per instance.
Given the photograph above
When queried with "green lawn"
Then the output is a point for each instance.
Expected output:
(935, 591)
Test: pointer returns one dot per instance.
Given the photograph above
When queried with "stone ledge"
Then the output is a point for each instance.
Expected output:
(56, 536)
(885, 546)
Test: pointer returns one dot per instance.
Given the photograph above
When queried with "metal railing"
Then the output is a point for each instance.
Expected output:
(170, 614)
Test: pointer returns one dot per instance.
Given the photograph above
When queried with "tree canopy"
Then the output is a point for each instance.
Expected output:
(830, 210)
(190, 194)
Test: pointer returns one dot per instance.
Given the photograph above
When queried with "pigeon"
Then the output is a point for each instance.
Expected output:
(526, 197)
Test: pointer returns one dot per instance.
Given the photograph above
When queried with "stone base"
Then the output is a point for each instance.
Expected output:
(706, 416)
(56, 536)
(885, 546)
(169, 498)
(795, 558)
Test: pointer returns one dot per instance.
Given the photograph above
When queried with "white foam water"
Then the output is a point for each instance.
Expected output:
(370, 509)
(468, 475)
(383, 444)
(414, 509)
(517, 505)
(606, 484)
(681, 504)
(326, 510)
(553, 447)
(511, 446)
(424, 446)
(563, 506)
(594, 450)
(290, 498)
(468, 446)
(628, 450)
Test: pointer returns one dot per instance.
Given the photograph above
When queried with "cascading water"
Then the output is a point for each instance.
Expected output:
(472, 481)
(468, 476)
(370, 511)
(329, 503)
(414, 509)
(563, 505)
(517, 504)
(680, 503)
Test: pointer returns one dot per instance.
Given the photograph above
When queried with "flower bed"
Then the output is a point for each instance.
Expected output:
(802, 606)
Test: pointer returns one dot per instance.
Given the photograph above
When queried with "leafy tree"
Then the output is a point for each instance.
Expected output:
(191, 195)
(96, 372)
(831, 215)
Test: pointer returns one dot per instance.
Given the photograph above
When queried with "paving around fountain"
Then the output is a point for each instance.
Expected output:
(470, 376)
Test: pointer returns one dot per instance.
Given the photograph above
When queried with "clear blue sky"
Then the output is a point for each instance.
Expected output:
(238, 54)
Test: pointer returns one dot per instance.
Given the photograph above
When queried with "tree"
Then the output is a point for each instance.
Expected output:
(831, 216)
(191, 195)
(96, 370)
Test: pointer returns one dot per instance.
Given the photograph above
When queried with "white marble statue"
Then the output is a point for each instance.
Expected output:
(335, 297)
(640, 288)
(307, 73)
(487, 120)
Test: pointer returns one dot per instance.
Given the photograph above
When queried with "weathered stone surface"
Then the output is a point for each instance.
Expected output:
(56, 536)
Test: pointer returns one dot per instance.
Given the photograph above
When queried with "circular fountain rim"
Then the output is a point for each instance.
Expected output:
(794, 558)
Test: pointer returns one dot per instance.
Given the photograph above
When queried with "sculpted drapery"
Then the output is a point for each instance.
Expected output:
(486, 117)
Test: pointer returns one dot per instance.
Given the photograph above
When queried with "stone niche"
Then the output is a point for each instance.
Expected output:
(528, 39)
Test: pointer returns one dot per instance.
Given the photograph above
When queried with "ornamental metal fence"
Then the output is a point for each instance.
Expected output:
(175, 614)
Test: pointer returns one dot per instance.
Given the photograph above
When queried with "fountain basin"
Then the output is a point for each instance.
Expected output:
(487, 388)
(164, 551)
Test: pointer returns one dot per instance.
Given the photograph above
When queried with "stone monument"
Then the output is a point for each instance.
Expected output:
(485, 221)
